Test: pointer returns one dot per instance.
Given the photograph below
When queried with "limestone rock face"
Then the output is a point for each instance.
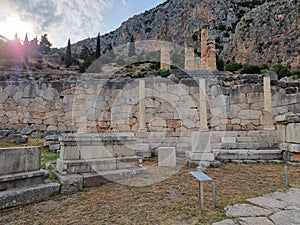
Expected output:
(248, 31)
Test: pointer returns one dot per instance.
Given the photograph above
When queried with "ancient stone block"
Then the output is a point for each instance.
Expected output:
(167, 157)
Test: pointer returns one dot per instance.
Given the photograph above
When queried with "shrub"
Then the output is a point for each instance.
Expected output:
(296, 72)
(249, 69)
(232, 66)
(164, 73)
(282, 71)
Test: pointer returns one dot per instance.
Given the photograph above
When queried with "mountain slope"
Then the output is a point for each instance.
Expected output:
(248, 31)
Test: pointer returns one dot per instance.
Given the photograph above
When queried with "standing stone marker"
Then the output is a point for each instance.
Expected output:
(167, 156)
(165, 58)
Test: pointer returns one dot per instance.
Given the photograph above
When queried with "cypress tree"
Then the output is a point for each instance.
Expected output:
(68, 59)
(98, 48)
(25, 52)
(131, 50)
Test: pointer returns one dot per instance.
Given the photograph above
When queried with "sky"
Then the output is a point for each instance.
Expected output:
(64, 19)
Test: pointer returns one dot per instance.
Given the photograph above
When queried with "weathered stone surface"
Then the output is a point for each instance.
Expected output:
(244, 210)
(288, 217)
(255, 221)
(18, 160)
(54, 147)
(167, 156)
(225, 222)
(269, 203)
(70, 183)
(17, 138)
(22, 196)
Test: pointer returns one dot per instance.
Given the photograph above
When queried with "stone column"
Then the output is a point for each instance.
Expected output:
(165, 60)
(268, 116)
(212, 58)
(202, 105)
(189, 58)
(204, 39)
(142, 106)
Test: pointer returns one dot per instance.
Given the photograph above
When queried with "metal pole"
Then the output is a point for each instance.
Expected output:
(214, 199)
(201, 198)
(286, 176)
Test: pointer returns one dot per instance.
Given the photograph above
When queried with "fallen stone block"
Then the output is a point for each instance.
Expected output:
(22, 196)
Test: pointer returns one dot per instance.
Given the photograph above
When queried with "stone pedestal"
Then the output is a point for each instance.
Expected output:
(95, 156)
(167, 157)
(288, 129)
(201, 147)
(21, 179)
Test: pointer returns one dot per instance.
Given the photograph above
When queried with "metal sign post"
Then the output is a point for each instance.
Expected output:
(200, 176)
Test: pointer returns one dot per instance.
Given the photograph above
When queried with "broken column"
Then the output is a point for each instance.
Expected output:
(165, 60)
(142, 106)
(268, 116)
(189, 58)
(202, 105)
(204, 49)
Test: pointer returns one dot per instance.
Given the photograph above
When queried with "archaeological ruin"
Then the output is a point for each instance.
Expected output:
(108, 126)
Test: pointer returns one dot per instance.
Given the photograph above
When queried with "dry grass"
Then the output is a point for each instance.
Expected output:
(173, 201)
(4, 143)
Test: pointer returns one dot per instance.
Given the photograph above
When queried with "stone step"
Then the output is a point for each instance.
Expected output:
(249, 145)
(26, 179)
(76, 182)
(96, 165)
(247, 154)
(26, 195)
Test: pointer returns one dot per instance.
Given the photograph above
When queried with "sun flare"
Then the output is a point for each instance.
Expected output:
(14, 25)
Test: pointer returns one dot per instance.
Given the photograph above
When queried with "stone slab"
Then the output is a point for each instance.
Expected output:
(20, 180)
(255, 221)
(201, 156)
(201, 142)
(229, 139)
(287, 217)
(22, 196)
(225, 222)
(289, 198)
(20, 159)
(167, 156)
(70, 183)
(244, 210)
(294, 148)
(269, 203)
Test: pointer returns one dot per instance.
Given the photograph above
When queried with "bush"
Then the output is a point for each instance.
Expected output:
(232, 66)
(296, 72)
(250, 69)
(282, 71)
(164, 73)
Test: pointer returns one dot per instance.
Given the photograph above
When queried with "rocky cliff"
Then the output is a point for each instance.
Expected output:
(247, 31)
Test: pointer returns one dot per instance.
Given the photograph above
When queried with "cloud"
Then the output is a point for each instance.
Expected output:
(63, 19)
(124, 2)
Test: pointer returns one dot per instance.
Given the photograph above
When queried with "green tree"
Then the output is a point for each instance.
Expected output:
(232, 66)
(45, 44)
(131, 50)
(282, 71)
(98, 47)
(84, 52)
(250, 69)
(68, 59)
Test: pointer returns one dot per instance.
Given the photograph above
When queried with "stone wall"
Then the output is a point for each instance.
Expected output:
(170, 105)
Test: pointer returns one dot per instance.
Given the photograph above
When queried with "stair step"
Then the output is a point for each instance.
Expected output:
(249, 145)
(248, 154)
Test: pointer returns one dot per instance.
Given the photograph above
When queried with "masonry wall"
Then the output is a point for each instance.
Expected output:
(233, 103)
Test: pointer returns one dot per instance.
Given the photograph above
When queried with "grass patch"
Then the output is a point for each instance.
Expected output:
(173, 201)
